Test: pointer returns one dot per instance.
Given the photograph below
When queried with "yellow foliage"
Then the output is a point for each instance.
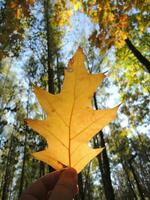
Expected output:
(63, 17)
(124, 133)
(19, 13)
(71, 122)
(111, 17)
(94, 15)
(119, 43)
(141, 28)
(77, 5)
(62, 13)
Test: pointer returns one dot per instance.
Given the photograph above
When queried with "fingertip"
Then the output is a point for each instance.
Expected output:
(66, 187)
(69, 171)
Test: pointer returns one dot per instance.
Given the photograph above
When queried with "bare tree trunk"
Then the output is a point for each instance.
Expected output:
(49, 53)
(136, 178)
(59, 73)
(104, 165)
(50, 71)
(23, 166)
(21, 186)
(8, 172)
(88, 185)
(138, 55)
(130, 186)
(145, 173)
(105, 170)
(42, 169)
(81, 190)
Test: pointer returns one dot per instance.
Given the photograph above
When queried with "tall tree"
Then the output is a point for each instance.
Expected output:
(104, 163)
(119, 22)
(14, 17)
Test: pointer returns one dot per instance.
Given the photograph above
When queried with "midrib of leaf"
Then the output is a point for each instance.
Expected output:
(70, 121)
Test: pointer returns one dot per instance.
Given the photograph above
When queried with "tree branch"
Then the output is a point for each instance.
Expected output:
(138, 55)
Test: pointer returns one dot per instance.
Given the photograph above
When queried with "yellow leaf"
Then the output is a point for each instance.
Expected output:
(77, 5)
(71, 122)
(64, 17)
(19, 13)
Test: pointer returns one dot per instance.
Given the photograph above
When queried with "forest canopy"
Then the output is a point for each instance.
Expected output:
(37, 40)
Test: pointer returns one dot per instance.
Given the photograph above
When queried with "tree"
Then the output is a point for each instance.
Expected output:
(13, 25)
(33, 31)
(119, 22)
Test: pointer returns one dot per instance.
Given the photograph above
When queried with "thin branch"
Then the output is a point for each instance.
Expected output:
(144, 61)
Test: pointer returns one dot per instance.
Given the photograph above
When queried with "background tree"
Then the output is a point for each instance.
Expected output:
(38, 39)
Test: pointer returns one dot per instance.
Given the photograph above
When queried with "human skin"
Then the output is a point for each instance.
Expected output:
(58, 185)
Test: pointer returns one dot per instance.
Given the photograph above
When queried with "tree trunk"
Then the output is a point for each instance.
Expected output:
(88, 185)
(104, 165)
(21, 186)
(49, 53)
(138, 55)
(137, 181)
(81, 190)
(58, 74)
(50, 71)
(8, 172)
(130, 186)
(23, 166)
(144, 172)
(42, 169)
(106, 176)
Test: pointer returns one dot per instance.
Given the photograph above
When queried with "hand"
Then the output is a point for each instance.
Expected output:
(58, 185)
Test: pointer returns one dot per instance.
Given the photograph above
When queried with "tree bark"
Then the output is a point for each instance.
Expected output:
(21, 186)
(136, 178)
(138, 55)
(49, 53)
(42, 169)
(104, 165)
(81, 190)
(129, 183)
(8, 172)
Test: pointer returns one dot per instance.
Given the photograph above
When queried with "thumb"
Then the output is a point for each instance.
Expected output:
(66, 186)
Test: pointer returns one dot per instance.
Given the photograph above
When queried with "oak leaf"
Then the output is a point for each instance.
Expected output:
(71, 121)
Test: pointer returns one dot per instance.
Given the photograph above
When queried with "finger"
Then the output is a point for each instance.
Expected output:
(29, 197)
(66, 187)
(50, 180)
(40, 188)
